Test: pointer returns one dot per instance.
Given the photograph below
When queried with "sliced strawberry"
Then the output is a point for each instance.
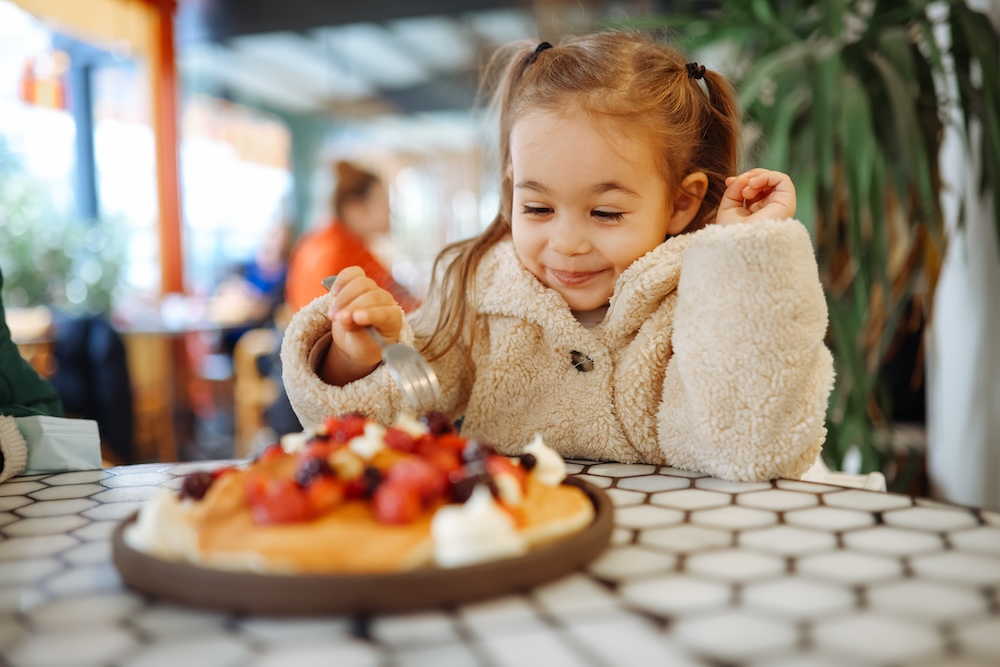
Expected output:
(284, 502)
(498, 465)
(428, 481)
(324, 494)
(395, 503)
(399, 439)
(347, 427)
(255, 488)
(319, 449)
(272, 452)
(452, 442)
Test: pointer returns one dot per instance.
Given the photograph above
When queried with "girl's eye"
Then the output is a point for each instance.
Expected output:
(611, 216)
(535, 210)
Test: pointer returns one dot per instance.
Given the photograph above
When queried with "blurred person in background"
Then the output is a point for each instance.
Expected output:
(360, 214)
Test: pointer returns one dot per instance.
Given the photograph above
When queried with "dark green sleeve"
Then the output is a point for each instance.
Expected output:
(23, 391)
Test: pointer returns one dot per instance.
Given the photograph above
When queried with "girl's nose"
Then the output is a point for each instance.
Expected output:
(568, 236)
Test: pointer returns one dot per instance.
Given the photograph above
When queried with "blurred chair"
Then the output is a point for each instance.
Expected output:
(150, 359)
(253, 388)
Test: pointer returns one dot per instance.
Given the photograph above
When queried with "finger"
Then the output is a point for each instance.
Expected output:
(733, 197)
(345, 277)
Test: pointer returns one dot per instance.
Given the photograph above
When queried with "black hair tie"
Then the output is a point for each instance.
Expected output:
(695, 71)
(538, 49)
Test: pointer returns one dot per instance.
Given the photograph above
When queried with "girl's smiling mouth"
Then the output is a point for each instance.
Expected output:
(572, 278)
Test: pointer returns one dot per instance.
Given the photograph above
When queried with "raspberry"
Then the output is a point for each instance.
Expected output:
(395, 504)
(399, 439)
(196, 484)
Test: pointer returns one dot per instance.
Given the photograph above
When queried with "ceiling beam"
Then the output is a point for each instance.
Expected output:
(219, 20)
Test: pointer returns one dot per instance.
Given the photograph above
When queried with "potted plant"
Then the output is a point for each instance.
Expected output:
(851, 99)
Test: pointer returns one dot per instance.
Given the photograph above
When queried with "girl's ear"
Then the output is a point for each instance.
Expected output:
(687, 201)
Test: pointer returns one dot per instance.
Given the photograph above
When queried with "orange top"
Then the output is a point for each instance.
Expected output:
(330, 250)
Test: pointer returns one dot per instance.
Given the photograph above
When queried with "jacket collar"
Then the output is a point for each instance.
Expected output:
(505, 287)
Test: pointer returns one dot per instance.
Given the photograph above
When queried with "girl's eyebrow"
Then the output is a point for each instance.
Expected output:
(600, 188)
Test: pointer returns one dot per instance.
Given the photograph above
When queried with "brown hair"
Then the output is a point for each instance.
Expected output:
(353, 184)
(623, 75)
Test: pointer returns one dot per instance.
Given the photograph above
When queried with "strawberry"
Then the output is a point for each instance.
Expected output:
(283, 502)
(399, 439)
(422, 477)
(395, 503)
(271, 452)
(255, 488)
(452, 441)
(346, 427)
(324, 494)
(497, 465)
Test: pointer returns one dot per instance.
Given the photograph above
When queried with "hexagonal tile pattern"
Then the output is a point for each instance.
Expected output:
(700, 572)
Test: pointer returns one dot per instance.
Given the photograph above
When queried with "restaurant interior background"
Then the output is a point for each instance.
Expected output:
(149, 147)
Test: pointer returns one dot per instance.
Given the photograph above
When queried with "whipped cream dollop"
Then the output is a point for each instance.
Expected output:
(475, 531)
(370, 443)
(163, 530)
(296, 442)
(550, 468)
(410, 424)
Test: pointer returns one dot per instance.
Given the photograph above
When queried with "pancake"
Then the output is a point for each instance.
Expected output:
(223, 528)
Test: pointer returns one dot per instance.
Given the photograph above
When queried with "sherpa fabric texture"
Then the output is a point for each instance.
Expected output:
(710, 358)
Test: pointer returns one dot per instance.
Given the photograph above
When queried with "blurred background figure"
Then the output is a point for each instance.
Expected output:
(254, 293)
(360, 216)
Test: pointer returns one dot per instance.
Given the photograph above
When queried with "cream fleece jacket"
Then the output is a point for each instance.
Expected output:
(710, 358)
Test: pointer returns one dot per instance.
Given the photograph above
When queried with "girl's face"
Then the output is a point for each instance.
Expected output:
(587, 203)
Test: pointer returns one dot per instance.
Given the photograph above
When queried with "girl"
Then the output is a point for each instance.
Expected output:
(600, 308)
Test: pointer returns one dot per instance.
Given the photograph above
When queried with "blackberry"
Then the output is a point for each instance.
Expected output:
(528, 461)
(370, 480)
(310, 468)
(437, 422)
(195, 485)
(462, 490)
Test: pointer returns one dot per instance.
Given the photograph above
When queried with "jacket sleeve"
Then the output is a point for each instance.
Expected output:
(746, 390)
(306, 341)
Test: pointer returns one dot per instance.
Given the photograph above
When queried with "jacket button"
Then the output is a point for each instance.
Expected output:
(581, 362)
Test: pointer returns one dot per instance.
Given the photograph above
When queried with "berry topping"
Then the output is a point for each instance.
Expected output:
(462, 490)
(281, 501)
(427, 480)
(324, 494)
(311, 467)
(437, 422)
(528, 461)
(396, 503)
(346, 427)
(371, 478)
(271, 452)
(399, 439)
(195, 485)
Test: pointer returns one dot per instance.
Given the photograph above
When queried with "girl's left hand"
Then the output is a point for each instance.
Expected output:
(759, 194)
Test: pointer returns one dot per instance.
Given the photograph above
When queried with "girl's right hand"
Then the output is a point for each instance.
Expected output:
(359, 302)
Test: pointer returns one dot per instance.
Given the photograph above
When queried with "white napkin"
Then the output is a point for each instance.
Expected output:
(57, 444)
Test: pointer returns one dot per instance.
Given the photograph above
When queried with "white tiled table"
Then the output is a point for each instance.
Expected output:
(700, 572)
